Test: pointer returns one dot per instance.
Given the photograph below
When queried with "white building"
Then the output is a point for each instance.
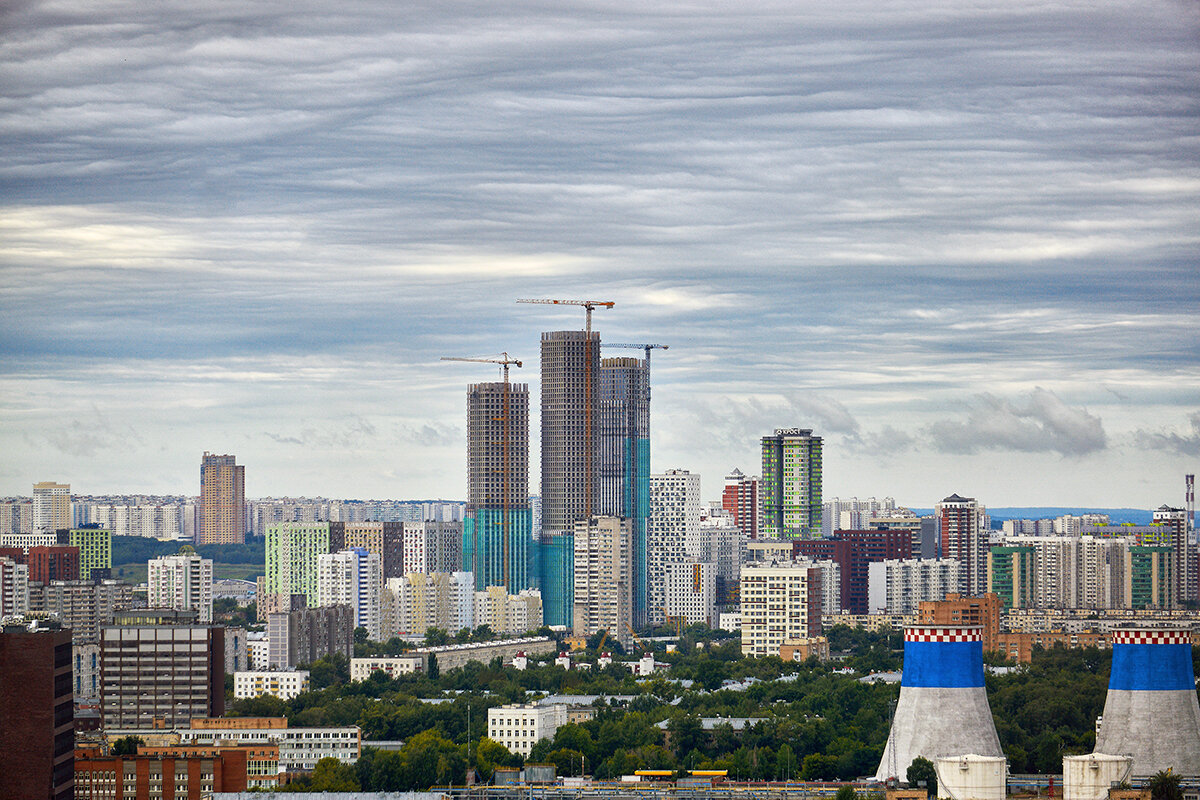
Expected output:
(299, 748)
(730, 621)
(28, 540)
(897, 586)
(603, 578)
(183, 581)
(508, 613)
(520, 727)
(362, 668)
(433, 546)
(692, 592)
(258, 648)
(353, 577)
(14, 587)
(672, 533)
(420, 601)
(780, 601)
(284, 685)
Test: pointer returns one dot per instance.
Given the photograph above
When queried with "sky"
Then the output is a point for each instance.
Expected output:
(957, 240)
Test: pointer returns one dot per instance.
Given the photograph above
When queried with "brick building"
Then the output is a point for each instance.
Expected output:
(852, 551)
(958, 610)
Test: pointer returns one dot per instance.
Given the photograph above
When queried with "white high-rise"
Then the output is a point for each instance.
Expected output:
(353, 577)
(672, 533)
(692, 592)
(182, 581)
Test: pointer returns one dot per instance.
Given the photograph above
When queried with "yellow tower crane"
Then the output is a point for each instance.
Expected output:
(589, 362)
(505, 439)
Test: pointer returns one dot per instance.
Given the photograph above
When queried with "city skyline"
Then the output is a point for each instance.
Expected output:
(956, 243)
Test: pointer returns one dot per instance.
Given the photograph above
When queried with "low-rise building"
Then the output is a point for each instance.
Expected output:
(284, 685)
(519, 727)
(299, 748)
(454, 656)
(803, 649)
(363, 668)
(174, 773)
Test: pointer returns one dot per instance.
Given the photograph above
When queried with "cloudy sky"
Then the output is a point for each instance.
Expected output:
(959, 240)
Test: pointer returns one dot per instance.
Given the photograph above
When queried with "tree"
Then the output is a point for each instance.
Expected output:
(331, 775)
(436, 637)
(1165, 786)
(126, 746)
(845, 793)
(922, 769)
(360, 635)
(434, 672)
(786, 766)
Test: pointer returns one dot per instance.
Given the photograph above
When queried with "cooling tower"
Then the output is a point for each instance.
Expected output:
(943, 708)
(1151, 711)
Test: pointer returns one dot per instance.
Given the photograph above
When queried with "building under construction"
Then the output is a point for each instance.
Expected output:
(497, 529)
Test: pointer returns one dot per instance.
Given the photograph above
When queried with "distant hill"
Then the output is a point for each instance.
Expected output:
(1137, 516)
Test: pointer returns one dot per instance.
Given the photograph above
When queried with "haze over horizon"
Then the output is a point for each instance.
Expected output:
(958, 242)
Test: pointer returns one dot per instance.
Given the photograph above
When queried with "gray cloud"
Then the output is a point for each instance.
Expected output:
(1041, 423)
(1186, 444)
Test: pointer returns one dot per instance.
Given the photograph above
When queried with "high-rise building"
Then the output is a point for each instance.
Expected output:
(899, 586)
(1010, 575)
(37, 737)
(51, 507)
(625, 459)
(740, 498)
(673, 533)
(692, 593)
(14, 587)
(570, 458)
(508, 613)
(52, 563)
(303, 635)
(604, 577)
(383, 538)
(353, 577)
(183, 581)
(790, 491)
(292, 549)
(432, 546)
(854, 551)
(16, 515)
(499, 524)
(964, 529)
(780, 601)
(423, 600)
(222, 510)
(82, 606)
(154, 671)
(95, 551)
(1176, 520)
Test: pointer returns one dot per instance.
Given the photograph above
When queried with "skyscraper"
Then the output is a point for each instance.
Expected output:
(222, 509)
(51, 507)
(570, 463)
(672, 533)
(183, 581)
(965, 539)
(625, 459)
(790, 490)
(498, 528)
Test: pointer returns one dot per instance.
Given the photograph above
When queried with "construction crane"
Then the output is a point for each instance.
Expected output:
(647, 348)
(589, 365)
(505, 437)
(641, 645)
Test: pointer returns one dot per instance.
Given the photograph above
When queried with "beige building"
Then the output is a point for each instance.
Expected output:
(51, 507)
(420, 601)
(780, 601)
(362, 668)
(284, 685)
(604, 578)
(508, 613)
(222, 510)
(519, 727)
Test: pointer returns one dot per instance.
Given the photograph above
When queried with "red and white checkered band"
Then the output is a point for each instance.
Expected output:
(1152, 637)
(940, 633)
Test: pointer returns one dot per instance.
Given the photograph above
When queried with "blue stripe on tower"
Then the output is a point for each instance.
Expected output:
(944, 665)
(1151, 667)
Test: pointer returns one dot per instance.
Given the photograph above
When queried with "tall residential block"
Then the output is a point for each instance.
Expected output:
(183, 581)
(292, 549)
(51, 507)
(498, 527)
(420, 601)
(625, 459)
(384, 538)
(740, 498)
(37, 716)
(303, 635)
(95, 551)
(82, 606)
(353, 577)
(14, 587)
(570, 419)
(1011, 574)
(673, 533)
(790, 488)
(508, 613)
(692, 593)
(1175, 520)
(780, 601)
(604, 578)
(433, 546)
(899, 586)
(964, 529)
(854, 552)
(222, 510)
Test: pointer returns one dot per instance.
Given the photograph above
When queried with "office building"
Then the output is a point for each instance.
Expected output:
(673, 534)
(353, 577)
(497, 532)
(14, 587)
(1011, 575)
(625, 459)
(740, 499)
(299, 748)
(853, 551)
(292, 550)
(964, 529)
(95, 551)
(284, 684)
(37, 718)
(899, 586)
(222, 509)
(519, 727)
(385, 539)
(570, 421)
(781, 601)
(603, 578)
(51, 507)
(82, 606)
(303, 635)
(692, 593)
(790, 488)
(181, 582)
(508, 614)
(433, 546)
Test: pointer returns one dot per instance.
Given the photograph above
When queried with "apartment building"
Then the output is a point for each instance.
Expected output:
(519, 727)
